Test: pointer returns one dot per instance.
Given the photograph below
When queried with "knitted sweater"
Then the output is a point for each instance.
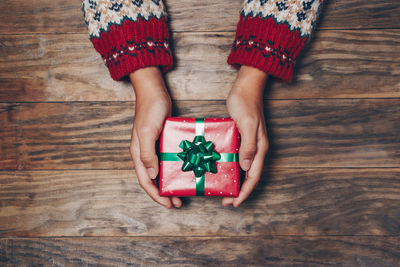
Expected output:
(131, 34)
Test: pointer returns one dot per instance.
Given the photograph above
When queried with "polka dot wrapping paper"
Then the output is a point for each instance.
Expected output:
(223, 134)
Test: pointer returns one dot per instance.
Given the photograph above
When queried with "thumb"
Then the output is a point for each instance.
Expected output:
(148, 154)
(248, 146)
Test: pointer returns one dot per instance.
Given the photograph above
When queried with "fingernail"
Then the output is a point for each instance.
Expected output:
(228, 202)
(151, 172)
(246, 164)
(176, 204)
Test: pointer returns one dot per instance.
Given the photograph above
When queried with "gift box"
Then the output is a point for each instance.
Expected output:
(199, 157)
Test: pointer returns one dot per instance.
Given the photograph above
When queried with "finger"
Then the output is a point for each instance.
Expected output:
(147, 140)
(226, 201)
(248, 145)
(144, 180)
(177, 202)
(252, 175)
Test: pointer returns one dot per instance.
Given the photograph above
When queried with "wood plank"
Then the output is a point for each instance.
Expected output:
(358, 14)
(337, 64)
(198, 251)
(8, 137)
(61, 16)
(293, 201)
(98, 130)
(302, 133)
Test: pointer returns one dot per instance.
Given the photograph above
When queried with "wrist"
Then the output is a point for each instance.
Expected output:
(148, 84)
(250, 82)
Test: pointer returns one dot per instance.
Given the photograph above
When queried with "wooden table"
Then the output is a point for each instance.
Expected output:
(330, 190)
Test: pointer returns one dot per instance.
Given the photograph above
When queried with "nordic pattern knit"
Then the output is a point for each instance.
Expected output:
(132, 34)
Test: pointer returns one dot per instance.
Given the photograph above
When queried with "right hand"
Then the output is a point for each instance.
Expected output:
(245, 105)
(153, 106)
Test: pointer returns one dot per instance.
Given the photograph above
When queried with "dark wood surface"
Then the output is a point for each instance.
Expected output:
(330, 189)
(202, 251)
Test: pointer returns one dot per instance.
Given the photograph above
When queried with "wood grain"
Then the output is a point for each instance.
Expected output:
(330, 189)
(69, 129)
(8, 134)
(62, 16)
(337, 64)
(295, 201)
(198, 251)
(302, 133)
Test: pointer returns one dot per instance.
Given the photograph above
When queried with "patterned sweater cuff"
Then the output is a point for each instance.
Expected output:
(266, 45)
(133, 45)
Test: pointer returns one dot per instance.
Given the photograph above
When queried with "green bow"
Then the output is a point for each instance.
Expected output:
(198, 156)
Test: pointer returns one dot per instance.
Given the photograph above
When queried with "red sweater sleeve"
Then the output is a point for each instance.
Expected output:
(129, 34)
(271, 33)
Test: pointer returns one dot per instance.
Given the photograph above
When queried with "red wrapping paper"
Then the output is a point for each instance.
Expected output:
(225, 136)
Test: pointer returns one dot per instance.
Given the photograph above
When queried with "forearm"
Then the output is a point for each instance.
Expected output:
(129, 35)
(271, 34)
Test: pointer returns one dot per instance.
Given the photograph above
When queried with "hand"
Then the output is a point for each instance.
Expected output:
(245, 105)
(153, 105)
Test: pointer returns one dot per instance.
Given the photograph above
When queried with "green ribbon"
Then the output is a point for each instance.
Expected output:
(199, 156)
(225, 157)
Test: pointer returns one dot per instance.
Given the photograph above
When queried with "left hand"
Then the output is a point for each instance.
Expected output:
(245, 105)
